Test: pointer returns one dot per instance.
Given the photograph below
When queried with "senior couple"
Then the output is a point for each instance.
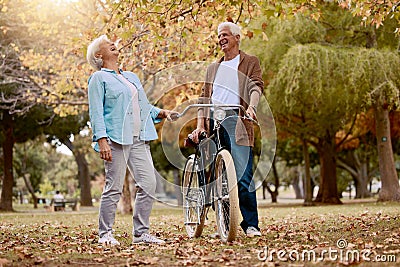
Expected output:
(122, 121)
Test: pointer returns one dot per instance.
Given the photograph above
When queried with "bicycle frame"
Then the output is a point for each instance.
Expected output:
(205, 180)
(199, 159)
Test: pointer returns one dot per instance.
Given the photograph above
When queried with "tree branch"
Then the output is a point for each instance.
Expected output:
(240, 13)
(341, 164)
(348, 132)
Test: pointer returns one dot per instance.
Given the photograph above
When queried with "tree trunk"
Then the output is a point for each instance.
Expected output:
(357, 166)
(328, 192)
(28, 184)
(264, 187)
(160, 188)
(308, 194)
(84, 180)
(274, 194)
(362, 182)
(177, 182)
(298, 191)
(26, 176)
(83, 174)
(362, 189)
(8, 180)
(390, 190)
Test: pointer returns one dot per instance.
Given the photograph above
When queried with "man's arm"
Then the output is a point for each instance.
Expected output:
(252, 109)
(255, 92)
(200, 126)
(201, 112)
(200, 119)
(255, 76)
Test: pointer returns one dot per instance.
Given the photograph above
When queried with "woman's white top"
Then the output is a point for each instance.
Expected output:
(135, 105)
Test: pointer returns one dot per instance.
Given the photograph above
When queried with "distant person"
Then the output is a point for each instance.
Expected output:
(57, 201)
(122, 121)
(58, 195)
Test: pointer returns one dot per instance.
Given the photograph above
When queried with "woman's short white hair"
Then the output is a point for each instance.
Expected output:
(234, 28)
(93, 48)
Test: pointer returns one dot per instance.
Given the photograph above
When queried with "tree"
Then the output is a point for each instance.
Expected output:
(390, 182)
(297, 153)
(38, 67)
(310, 80)
(62, 129)
(62, 174)
(357, 163)
(266, 185)
(384, 96)
(30, 163)
(358, 156)
(373, 12)
(161, 34)
(17, 129)
(25, 99)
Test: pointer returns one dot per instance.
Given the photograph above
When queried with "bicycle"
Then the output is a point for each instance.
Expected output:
(209, 179)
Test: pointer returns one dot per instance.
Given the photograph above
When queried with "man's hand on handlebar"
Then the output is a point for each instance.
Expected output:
(251, 113)
(195, 135)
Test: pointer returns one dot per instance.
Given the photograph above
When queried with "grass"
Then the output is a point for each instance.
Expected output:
(70, 238)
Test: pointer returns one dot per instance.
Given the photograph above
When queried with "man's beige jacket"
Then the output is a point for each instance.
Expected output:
(250, 80)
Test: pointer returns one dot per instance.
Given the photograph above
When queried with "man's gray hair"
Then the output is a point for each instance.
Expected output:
(234, 28)
(93, 48)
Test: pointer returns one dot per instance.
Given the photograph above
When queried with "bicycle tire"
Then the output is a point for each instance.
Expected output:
(226, 197)
(194, 202)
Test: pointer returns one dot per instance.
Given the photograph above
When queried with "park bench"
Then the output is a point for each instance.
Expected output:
(61, 204)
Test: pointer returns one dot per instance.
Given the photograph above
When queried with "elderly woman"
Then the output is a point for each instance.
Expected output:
(122, 121)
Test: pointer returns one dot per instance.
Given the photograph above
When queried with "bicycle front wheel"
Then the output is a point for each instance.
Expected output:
(193, 200)
(226, 197)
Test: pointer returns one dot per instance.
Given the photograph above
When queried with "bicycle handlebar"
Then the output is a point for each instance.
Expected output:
(215, 106)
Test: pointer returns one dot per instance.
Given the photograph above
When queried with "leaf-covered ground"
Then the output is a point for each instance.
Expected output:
(364, 234)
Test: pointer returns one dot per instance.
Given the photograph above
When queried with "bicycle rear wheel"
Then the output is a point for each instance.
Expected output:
(226, 197)
(193, 200)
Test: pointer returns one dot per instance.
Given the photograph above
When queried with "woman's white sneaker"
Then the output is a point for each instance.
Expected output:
(147, 238)
(108, 239)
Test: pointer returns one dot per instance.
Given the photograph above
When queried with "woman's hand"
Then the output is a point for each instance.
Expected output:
(105, 150)
(170, 115)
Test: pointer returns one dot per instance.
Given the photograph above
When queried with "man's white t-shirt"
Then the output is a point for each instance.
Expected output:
(226, 83)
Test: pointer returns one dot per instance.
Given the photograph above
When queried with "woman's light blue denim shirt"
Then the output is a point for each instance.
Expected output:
(110, 108)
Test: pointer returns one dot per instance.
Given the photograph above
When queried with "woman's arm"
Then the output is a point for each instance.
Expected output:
(96, 109)
(165, 113)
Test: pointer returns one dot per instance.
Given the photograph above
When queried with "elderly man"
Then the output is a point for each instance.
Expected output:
(235, 79)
